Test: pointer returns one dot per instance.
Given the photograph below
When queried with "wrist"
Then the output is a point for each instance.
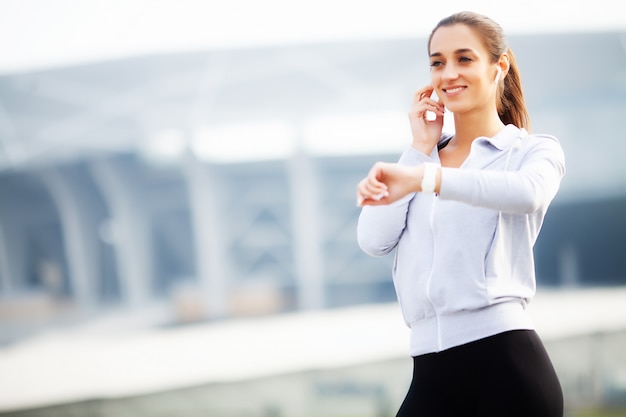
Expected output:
(424, 148)
(415, 179)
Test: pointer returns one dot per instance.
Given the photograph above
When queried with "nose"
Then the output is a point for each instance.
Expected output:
(449, 72)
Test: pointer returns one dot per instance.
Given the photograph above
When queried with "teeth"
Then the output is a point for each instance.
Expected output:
(454, 90)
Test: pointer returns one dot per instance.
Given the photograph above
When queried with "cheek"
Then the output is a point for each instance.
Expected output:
(435, 77)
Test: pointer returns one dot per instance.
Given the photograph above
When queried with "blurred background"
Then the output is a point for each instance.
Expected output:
(177, 211)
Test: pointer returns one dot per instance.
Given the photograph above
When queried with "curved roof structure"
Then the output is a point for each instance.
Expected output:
(345, 97)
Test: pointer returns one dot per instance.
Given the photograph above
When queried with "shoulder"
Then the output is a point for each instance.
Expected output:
(540, 137)
(541, 140)
(545, 144)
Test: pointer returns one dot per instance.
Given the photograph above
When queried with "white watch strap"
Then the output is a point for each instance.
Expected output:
(429, 180)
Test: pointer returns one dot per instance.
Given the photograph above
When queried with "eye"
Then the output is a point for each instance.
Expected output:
(465, 59)
(434, 64)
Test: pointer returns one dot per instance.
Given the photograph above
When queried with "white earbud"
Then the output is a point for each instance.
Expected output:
(498, 74)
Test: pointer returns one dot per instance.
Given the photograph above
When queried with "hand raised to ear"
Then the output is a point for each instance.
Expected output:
(426, 133)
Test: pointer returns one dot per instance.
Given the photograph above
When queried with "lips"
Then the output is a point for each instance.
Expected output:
(453, 90)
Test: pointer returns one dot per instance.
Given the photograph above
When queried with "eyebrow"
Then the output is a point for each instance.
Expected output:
(457, 52)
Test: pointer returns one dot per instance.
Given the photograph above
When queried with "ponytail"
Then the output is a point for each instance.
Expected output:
(511, 106)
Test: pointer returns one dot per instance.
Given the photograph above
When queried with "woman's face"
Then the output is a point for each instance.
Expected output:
(462, 73)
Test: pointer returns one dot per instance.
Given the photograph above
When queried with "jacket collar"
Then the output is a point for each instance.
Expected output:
(504, 139)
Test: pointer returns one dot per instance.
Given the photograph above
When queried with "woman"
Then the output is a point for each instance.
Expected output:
(463, 212)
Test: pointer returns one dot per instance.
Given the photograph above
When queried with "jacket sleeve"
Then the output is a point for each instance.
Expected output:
(379, 227)
(529, 188)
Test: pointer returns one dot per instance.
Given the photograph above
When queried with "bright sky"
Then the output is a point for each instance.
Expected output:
(46, 33)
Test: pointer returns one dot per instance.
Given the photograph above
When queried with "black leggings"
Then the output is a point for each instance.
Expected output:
(509, 374)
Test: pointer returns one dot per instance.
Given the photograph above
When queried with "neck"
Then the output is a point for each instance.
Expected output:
(470, 126)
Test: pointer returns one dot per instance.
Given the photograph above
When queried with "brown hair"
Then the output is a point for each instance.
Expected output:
(511, 106)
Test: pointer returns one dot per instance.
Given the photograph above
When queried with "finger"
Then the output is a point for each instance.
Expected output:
(427, 103)
(368, 190)
(431, 104)
(420, 111)
(434, 113)
(373, 190)
(362, 197)
(372, 182)
(359, 200)
(378, 175)
(361, 191)
(374, 202)
(426, 91)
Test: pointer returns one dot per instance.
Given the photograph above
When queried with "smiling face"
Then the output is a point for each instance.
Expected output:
(462, 70)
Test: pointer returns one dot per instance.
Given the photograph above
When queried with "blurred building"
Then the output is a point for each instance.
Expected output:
(222, 182)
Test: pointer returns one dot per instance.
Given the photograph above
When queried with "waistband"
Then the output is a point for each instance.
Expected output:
(441, 332)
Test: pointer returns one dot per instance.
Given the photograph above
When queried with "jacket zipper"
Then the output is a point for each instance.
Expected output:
(430, 275)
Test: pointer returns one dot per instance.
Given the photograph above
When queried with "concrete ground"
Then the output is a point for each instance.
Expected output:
(322, 359)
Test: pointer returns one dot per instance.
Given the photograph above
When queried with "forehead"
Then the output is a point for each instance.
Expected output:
(448, 39)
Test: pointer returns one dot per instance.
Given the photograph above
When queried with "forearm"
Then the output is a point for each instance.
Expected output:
(522, 191)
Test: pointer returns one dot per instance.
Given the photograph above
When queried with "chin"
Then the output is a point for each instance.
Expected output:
(458, 107)
(454, 108)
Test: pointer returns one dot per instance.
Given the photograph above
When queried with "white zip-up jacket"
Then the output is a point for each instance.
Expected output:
(464, 266)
